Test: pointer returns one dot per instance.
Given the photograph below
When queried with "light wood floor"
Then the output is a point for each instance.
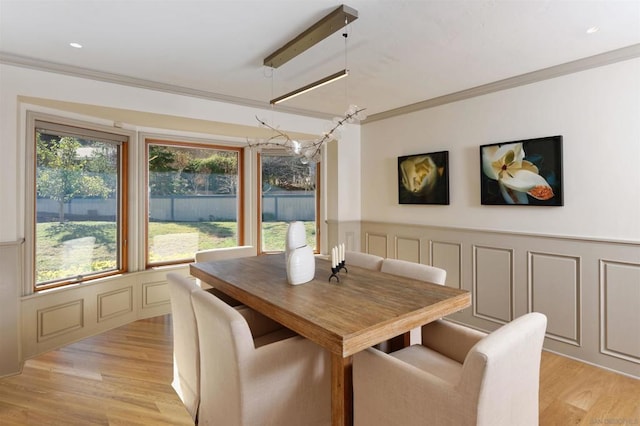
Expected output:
(123, 377)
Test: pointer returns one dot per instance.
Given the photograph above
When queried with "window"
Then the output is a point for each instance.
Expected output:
(195, 200)
(289, 192)
(80, 182)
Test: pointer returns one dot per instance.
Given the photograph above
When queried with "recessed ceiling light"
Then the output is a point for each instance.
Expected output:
(76, 45)
(593, 30)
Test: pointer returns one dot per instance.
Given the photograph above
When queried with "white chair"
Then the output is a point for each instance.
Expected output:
(257, 380)
(225, 253)
(186, 358)
(458, 376)
(416, 271)
(222, 253)
(363, 260)
(186, 346)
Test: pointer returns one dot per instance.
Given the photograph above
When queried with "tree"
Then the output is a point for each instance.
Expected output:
(63, 175)
(288, 173)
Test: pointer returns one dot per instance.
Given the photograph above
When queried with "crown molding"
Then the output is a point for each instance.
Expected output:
(607, 58)
(74, 71)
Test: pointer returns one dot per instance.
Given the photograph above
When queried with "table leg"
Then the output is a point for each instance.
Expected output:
(341, 391)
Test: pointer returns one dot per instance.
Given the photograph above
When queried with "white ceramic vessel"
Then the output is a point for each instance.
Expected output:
(301, 265)
(296, 236)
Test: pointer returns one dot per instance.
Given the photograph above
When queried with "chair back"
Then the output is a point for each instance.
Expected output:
(363, 260)
(501, 373)
(224, 253)
(225, 341)
(417, 271)
(186, 352)
(285, 380)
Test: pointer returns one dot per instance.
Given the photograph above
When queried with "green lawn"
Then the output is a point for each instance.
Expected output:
(167, 241)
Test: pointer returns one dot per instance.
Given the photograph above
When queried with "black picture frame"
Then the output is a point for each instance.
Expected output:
(522, 172)
(424, 178)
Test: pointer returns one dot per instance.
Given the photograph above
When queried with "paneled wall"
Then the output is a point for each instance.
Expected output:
(56, 318)
(11, 255)
(589, 289)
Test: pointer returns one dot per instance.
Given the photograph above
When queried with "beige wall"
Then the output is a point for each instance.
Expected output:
(580, 263)
(589, 289)
(596, 111)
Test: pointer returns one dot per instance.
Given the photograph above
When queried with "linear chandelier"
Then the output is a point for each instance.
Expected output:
(337, 19)
(310, 150)
(309, 87)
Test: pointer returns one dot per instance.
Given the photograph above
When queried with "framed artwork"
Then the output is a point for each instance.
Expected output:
(526, 172)
(424, 178)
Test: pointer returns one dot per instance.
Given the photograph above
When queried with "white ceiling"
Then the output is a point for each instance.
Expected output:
(399, 52)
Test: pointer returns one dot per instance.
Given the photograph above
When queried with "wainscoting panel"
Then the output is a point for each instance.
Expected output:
(554, 289)
(620, 309)
(376, 244)
(448, 256)
(60, 319)
(493, 283)
(11, 265)
(408, 248)
(589, 289)
(114, 303)
(65, 315)
(155, 293)
(350, 241)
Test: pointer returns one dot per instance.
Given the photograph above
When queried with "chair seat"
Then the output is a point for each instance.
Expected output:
(431, 362)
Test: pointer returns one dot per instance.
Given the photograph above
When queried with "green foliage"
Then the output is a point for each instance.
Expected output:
(186, 170)
(287, 173)
(62, 174)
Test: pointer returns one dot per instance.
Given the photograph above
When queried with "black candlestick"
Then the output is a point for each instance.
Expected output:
(334, 273)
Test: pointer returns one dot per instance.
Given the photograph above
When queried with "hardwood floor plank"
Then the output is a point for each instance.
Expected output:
(123, 377)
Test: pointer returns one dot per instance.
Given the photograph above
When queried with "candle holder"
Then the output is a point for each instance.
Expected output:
(334, 273)
(341, 267)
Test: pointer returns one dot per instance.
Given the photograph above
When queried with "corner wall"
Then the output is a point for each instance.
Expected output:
(580, 263)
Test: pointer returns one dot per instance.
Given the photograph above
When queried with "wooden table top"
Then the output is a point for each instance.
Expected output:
(363, 309)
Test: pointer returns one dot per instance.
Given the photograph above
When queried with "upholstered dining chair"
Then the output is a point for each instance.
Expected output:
(222, 253)
(186, 362)
(458, 376)
(250, 379)
(363, 260)
(186, 346)
(416, 271)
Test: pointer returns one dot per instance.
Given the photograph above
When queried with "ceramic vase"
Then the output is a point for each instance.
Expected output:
(296, 237)
(301, 265)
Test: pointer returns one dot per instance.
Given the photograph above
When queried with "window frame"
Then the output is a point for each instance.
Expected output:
(318, 200)
(197, 144)
(117, 136)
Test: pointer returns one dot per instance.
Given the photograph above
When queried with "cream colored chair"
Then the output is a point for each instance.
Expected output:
(225, 253)
(257, 380)
(363, 260)
(186, 362)
(458, 376)
(222, 253)
(416, 271)
(186, 347)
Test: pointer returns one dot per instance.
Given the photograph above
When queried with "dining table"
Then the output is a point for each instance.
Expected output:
(345, 314)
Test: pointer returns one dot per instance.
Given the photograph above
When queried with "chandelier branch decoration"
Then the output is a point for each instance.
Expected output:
(306, 150)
